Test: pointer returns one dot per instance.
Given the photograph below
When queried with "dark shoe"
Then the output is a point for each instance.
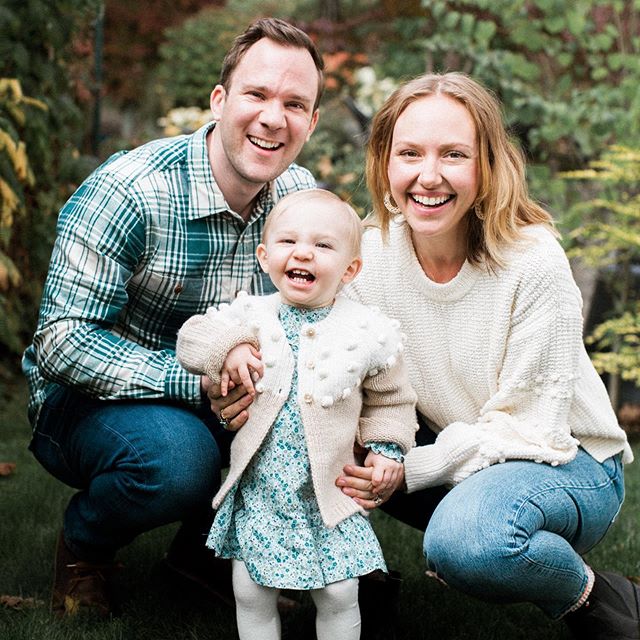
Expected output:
(80, 586)
(188, 559)
(612, 611)
(199, 566)
(378, 596)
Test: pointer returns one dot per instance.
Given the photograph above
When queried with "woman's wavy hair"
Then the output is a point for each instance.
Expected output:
(503, 206)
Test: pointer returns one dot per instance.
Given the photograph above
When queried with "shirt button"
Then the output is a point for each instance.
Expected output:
(311, 332)
(308, 398)
(311, 364)
(178, 288)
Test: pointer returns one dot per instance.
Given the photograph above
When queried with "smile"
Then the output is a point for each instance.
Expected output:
(299, 275)
(264, 144)
(432, 202)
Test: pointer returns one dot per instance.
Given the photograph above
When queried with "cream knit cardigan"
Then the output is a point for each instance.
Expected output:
(497, 360)
(352, 385)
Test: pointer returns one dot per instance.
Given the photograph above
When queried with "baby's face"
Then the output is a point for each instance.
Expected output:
(309, 255)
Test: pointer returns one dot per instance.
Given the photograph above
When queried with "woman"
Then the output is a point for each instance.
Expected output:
(526, 436)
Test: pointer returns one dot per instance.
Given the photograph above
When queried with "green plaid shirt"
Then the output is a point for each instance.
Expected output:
(145, 242)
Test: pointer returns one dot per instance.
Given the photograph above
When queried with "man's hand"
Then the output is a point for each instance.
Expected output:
(233, 407)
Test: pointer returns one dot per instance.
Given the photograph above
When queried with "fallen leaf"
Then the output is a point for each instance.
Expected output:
(7, 468)
(17, 602)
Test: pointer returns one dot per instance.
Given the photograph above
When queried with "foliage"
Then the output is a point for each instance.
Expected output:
(16, 177)
(134, 32)
(618, 345)
(39, 161)
(608, 237)
(566, 72)
(192, 52)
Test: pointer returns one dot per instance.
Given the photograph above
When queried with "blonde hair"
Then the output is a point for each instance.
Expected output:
(306, 196)
(503, 206)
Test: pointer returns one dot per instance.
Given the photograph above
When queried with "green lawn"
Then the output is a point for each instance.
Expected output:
(31, 504)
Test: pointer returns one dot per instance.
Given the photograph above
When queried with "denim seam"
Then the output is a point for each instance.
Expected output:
(527, 558)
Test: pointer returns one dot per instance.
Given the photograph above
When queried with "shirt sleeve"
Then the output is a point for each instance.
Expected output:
(387, 449)
(527, 416)
(101, 237)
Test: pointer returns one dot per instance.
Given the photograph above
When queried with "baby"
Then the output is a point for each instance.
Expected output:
(326, 374)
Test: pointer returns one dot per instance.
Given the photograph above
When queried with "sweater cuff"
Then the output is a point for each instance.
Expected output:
(217, 356)
(425, 467)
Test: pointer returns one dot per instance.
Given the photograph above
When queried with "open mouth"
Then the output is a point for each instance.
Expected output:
(432, 202)
(300, 276)
(267, 145)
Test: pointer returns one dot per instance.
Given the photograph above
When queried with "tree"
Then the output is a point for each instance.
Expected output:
(608, 237)
(567, 73)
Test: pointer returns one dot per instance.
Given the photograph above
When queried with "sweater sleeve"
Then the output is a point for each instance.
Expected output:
(388, 407)
(205, 340)
(527, 416)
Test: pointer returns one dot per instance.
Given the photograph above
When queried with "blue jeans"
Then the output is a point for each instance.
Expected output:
(137, 465)
(515, 532)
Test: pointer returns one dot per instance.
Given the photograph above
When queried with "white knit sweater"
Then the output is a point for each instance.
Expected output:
(497, 360)
(352, 385)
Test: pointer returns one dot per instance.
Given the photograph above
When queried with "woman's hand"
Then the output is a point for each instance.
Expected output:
(233, 407)
(357, 483)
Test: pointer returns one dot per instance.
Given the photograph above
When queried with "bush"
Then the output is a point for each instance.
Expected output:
(39, 161)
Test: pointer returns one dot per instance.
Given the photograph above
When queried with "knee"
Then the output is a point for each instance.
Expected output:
(187, 465)
(174, 461)
(465, 550)
(248, 594)
(337, 596)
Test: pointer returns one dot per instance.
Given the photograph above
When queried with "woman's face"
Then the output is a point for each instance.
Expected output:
(433, 168)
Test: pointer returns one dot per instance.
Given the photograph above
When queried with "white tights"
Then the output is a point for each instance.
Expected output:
(338, 614)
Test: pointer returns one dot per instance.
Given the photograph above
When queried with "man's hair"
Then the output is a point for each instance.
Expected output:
(278, 31)
(304, 197)
(503, 206)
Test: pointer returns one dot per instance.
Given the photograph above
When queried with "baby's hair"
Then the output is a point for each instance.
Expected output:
(300, 198)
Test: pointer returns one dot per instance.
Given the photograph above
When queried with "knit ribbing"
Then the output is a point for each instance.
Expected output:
(496, 359)
(352, 385)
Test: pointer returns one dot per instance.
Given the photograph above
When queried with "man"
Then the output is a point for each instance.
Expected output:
(152, 237)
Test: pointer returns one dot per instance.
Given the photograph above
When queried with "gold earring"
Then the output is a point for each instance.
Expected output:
(389, 206)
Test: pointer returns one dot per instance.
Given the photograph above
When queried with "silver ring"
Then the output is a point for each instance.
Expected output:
(377, 500)
(224, 423)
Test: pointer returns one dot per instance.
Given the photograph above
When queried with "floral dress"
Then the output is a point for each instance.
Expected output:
(271, 520)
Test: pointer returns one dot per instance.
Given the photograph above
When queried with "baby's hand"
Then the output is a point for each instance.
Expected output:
(243, 365)
(386, 473)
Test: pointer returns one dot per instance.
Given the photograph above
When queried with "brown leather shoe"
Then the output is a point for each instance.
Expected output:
(80, 586)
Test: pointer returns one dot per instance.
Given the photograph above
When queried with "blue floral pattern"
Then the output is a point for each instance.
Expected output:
(271, 520)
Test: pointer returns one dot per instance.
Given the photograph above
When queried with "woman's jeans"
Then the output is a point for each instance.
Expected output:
(137, 465)
(515, 532)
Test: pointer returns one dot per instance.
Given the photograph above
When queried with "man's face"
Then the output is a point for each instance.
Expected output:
(265, 117)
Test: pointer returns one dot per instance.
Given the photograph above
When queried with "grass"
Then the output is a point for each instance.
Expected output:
(32, 503)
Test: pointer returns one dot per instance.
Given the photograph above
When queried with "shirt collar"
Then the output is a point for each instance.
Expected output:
(205, 197)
